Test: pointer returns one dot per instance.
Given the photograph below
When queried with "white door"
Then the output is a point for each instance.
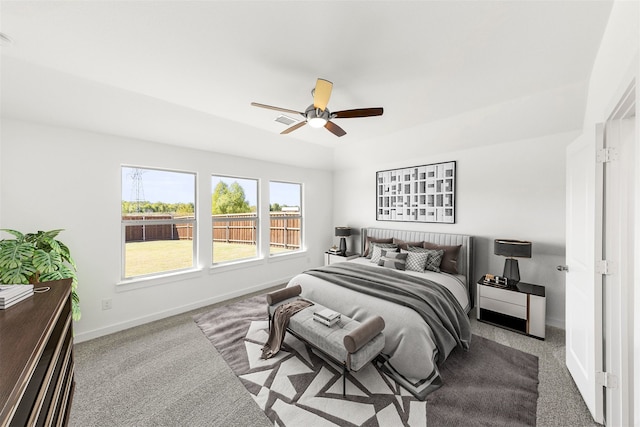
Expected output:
(583, 290)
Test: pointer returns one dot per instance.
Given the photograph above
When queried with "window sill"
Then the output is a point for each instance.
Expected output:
(287, 255)
(235, 265)
(254, 262)
(159, 279)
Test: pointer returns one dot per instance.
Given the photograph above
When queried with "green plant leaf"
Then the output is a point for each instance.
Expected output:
(14, 276)
(75, 307)
(48, 235)
(68, 272)
(51, 245)
(52, 233)
(66, 254)
(52, 275)
(13, 253)
(18, 235)
(63, 272)
(46, 262)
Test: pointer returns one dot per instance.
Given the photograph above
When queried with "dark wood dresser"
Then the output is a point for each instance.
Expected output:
(36, 358)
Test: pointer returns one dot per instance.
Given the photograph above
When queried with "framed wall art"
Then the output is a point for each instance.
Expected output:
(419, 194)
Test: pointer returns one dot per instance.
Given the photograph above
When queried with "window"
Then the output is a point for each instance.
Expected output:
(234, 211)
(286, 217)
(158, 221)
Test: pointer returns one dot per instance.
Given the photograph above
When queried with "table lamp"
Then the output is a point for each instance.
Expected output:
(512, 249)
(343, 232)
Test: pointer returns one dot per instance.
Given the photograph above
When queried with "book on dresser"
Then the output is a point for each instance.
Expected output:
(13, 294)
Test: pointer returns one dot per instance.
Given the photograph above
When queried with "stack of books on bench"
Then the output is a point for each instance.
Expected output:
(327, 317)
(13, 294)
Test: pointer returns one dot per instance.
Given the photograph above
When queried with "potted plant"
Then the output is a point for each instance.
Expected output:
(36, 258)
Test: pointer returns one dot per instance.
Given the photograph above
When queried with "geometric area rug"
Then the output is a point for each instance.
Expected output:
(489, 385)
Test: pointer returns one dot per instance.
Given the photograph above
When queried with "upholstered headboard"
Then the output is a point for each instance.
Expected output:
(465, 257)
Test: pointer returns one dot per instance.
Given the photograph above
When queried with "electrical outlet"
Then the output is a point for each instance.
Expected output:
(106, 304)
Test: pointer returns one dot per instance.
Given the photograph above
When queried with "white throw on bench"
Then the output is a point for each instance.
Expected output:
(349, 342)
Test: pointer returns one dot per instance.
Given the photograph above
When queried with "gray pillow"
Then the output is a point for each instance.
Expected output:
(434, 259)
(393, 260)
(376, 252)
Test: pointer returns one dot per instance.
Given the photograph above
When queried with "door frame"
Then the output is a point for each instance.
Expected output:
(618, 361)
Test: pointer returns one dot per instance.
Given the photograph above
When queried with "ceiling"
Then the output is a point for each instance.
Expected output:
(185, 72)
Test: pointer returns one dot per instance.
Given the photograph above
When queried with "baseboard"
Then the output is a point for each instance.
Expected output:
(557, 323)
(117, 327)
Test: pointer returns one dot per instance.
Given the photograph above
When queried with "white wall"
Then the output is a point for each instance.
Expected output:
(55, 177)
(512, 190)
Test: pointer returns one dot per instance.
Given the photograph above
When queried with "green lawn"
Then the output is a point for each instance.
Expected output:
(166, 255)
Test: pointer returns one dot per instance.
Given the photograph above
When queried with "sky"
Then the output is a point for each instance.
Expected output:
(177, 187)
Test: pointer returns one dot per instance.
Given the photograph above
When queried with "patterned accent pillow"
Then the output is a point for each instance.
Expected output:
(376, 253)
(434, 259)
(368, 251)
(393, 260)
(449, 262)
(416, 261)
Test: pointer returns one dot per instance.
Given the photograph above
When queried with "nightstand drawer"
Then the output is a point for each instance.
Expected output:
(515, 310)
(511, 297)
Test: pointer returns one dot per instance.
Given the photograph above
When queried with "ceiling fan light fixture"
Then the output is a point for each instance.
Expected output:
(317, 122)
(317, 118)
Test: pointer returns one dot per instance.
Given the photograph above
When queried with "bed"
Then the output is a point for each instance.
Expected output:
(417, 338)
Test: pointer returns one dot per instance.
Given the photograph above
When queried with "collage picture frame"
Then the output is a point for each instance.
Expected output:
(424, 193)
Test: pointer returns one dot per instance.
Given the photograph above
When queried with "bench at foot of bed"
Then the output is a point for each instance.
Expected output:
(348, 342)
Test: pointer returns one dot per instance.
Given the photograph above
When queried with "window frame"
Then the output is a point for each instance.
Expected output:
(299, 216)
(144, 222)
(256, 220)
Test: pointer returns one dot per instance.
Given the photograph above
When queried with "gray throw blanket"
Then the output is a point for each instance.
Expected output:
(433, 302)
(279, 324)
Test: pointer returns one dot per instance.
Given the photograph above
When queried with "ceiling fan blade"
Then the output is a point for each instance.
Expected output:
(322, 93)
(335, 129)
(292, 128)
(358, 112)
(270, 107)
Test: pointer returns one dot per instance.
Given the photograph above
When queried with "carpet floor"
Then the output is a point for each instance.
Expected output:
(298, 387)
(166, 373)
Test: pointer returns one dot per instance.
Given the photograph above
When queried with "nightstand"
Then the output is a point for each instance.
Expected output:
(521, 308)
(330, 258)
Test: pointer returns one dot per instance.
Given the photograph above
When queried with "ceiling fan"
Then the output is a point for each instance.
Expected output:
(317, 115)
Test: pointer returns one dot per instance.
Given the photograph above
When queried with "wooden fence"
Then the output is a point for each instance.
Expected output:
(285, 230)
(231, 228)
(150, 232)
(235, 228)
